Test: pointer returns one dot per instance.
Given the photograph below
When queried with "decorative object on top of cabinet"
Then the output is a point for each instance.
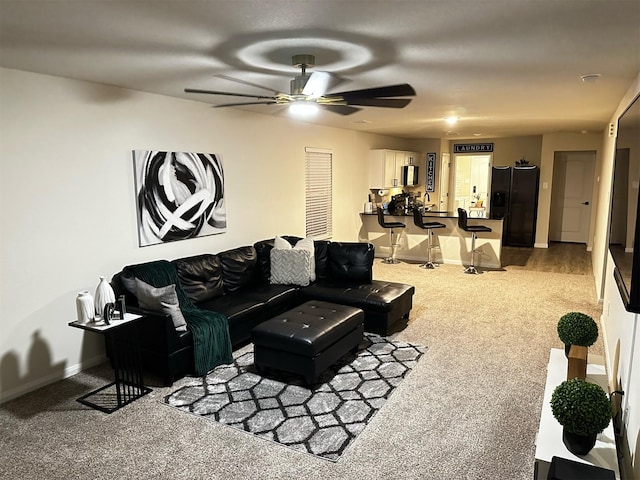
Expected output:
(385, 167)
(522, 162)
(104, 295)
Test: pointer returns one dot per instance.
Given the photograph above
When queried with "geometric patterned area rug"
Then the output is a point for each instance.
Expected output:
(321, 421)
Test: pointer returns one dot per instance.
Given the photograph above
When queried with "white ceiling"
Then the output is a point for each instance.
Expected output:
(505, 67)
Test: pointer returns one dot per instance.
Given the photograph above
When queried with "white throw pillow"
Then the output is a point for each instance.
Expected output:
(307, 244)
(290, 267)
(281, 244)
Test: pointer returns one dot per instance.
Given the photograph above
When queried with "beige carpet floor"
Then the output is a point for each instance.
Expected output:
(469, 410)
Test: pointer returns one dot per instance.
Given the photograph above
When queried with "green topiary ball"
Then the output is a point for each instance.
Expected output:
(575, 328)
(581, 407)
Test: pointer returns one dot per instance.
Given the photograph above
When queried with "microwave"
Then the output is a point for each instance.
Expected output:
(409, 175)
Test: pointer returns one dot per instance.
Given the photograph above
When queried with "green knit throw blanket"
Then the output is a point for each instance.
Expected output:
(211, 341)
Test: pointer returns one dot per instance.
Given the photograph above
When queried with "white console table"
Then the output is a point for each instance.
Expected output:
(549, 439)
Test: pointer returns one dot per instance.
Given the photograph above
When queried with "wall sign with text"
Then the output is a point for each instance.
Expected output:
(430, 183)
(472, 147)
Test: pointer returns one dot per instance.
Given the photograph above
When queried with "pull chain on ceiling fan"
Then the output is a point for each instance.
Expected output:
(311, 89)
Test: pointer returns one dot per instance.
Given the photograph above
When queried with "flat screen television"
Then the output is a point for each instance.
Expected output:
(624, 227)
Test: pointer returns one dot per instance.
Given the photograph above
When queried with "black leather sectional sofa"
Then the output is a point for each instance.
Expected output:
(237, 284)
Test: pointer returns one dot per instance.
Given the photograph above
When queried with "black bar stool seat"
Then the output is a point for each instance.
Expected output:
(474, 230)
(390, 226)
(418, 220)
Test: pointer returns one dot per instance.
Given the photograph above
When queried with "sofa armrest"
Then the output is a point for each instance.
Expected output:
(156, 331)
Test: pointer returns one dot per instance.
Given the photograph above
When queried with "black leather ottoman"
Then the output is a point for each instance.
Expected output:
(308, 339)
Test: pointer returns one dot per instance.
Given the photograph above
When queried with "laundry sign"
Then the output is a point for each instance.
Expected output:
(472, 147)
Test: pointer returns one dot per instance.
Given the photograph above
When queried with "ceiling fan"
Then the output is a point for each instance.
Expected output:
(310, 90)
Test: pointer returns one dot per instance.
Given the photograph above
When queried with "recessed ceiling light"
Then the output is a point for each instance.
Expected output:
(590, 77)
(451, 120)
(477, 134)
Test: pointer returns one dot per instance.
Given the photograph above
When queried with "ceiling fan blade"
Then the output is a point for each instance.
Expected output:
(244, 103)
(379, 102)
(400, 90)
(319, 83)
(244, 82)
(215, 92)
(341, 109)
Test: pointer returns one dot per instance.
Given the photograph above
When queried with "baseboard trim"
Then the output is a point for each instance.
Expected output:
(33, 385)
(540, 245)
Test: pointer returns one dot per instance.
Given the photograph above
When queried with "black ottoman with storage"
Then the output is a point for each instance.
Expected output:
(308, 339)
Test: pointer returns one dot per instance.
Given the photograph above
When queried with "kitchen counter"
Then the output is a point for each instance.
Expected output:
(473, 214)
(455, 243)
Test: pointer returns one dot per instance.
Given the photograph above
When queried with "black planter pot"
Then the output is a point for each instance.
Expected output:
(578, 444)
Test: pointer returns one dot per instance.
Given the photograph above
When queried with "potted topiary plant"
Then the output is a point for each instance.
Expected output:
(584, 410)
(575, 328)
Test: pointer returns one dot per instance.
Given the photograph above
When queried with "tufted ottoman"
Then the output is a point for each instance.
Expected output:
(308, 339)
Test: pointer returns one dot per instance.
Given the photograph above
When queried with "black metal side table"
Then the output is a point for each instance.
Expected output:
(124, 351)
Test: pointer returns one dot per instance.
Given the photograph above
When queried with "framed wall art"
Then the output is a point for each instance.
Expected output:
(179, 195)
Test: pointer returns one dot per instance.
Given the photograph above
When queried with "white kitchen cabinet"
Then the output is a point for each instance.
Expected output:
(385, 167)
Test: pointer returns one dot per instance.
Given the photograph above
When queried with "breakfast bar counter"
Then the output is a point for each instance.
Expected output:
(455, 243)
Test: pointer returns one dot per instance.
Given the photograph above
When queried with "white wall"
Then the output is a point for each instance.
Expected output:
(621, 329)
(67, 212)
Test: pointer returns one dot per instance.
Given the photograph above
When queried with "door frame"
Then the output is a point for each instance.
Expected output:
(554, 213)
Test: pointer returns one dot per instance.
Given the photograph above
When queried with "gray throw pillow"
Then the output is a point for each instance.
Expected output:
(290, 267)
(163, 300)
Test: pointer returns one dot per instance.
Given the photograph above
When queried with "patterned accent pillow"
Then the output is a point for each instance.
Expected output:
(290, 267)
(161, 299)
(307, 244)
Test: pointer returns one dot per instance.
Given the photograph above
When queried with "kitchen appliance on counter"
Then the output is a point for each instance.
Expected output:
(399, 204)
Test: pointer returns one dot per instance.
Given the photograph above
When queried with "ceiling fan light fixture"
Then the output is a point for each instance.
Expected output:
(303, 108)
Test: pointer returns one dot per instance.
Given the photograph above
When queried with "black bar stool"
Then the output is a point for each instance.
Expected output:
(474, 229)
(428, 226)
(390, 226)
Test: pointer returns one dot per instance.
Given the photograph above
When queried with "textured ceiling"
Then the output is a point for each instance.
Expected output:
(504, 67)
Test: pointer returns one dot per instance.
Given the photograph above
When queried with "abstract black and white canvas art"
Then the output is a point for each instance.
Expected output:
(179, 195)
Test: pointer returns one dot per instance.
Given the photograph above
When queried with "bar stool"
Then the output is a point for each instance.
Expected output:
(474, 229)
(428, 226)
(390, 226)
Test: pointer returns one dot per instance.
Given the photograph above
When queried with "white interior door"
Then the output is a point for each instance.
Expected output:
(571, 196)
(445, 169)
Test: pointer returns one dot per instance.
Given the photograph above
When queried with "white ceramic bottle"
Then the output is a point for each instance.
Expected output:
(85, 307)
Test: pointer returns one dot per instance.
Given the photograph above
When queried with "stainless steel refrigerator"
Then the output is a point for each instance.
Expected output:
(514, 198)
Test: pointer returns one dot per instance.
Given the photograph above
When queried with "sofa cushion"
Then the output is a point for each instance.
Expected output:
(161, 299)
(350, 262)
(290, 267)
(200, 276)
(239, 268)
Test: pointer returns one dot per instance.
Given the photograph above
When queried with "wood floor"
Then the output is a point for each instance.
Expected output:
(560, 257)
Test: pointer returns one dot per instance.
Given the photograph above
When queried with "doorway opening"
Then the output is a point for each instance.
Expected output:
(471, 181)
(571, 194)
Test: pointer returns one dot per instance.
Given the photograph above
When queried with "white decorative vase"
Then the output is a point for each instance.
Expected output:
(85, 307)
(104, 295)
